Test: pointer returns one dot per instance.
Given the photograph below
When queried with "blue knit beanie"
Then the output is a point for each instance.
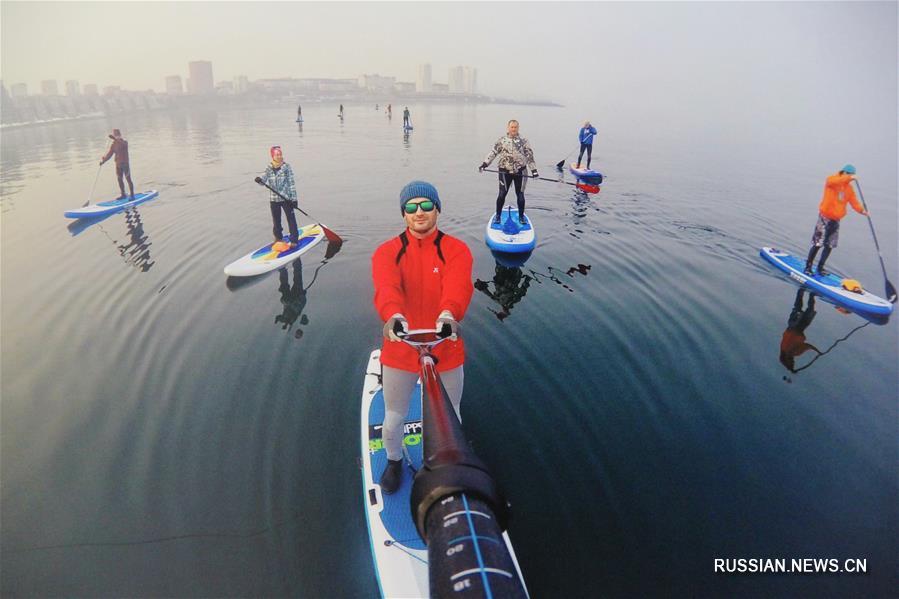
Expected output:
(419, 189)
(848, 169)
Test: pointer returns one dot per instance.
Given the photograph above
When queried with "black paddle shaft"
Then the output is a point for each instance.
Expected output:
(890, 290)
(264, 184)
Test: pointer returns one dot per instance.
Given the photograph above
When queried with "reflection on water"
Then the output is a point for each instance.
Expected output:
(136, 250)
(555, 275)
(293, 292)
(793, 342)
(293, 298)
(510, 286)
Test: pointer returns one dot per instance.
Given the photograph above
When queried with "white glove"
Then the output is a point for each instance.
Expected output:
(394, 322)
(446, 319)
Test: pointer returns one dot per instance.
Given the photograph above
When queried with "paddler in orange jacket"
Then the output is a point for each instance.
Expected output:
(837, 192)
(422, 280)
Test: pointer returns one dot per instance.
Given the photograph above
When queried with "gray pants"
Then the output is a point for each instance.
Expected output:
(398, 386)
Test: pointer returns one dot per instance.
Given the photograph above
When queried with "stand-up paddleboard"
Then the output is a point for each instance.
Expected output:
(408, 127)
(400, 555)
(509, 235)
(830, 285)
(300, 119)
(266, 258)
(586, 175)
(112, 206)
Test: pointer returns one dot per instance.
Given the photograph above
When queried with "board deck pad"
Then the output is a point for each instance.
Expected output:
(510, 236)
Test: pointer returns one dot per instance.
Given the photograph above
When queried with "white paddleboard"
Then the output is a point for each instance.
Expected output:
(266, 259)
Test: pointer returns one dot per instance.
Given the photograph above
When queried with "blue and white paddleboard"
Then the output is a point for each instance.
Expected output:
(112, 206)
(407, 128)
(266, 259)
(400, 555)
(299, 119)
(509, 235)
(830, 285)
(586, 175)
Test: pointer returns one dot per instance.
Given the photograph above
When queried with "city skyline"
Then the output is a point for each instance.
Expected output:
(461, 79)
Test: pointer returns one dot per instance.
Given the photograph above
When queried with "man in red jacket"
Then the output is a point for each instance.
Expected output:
(422, 280)
(119, 148)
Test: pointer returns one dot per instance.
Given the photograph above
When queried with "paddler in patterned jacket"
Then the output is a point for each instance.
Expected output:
(279, 176)
(837, 192)
(515, 155)
(422, 280)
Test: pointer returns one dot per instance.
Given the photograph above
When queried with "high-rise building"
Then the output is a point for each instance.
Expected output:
(73, 88)
(463, 80)
(90, 89)
(49, 88)
(112, 90)
(456, 80)
(241, 84)
(173, 85)
(19, 90)
(200, 81)
(471, 80)
(423, 84)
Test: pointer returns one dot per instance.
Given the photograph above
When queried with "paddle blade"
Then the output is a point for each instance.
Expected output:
(891, 291)
(330, 235)
(560, 164)
(332, 249)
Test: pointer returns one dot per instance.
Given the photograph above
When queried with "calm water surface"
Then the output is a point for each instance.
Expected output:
(166, 432)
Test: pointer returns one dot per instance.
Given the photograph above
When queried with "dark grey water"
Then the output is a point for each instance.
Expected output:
(166, 434)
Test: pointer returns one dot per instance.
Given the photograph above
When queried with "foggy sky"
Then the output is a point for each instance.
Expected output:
(784, 73)
(559, 51)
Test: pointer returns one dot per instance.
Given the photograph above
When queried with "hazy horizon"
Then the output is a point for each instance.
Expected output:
(559, 51)
(801, 76)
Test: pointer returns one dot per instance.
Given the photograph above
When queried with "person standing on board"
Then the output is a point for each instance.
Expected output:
(837, 192)
(279, 176)
(299, 112)
(340, 114)
(515, 154)
(389, 111)
(585, 135)
(119, 149)
(406, 115)
(422, 280)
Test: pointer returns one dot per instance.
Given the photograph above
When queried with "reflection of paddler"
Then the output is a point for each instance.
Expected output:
(509, 287)
(792, 344)
(293, 298)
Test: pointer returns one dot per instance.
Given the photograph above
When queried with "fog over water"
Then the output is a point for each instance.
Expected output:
(168, 432)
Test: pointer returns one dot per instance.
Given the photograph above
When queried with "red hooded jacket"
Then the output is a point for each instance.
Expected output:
(431, 275)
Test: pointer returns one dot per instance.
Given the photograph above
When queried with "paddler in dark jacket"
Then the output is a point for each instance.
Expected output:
(119, 149)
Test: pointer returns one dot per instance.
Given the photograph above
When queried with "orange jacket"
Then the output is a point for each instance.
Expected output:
(420, 286)
(838, 191)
